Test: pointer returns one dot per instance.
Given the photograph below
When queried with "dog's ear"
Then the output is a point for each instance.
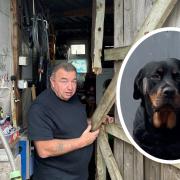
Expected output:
(138, 85)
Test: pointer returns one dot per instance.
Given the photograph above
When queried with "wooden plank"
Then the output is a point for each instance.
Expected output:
(97, 34)
(152, 170)
(119, 147)
(118, 41)
(133, 160)
(140, 10)
(134, 14)
(108, 157)
(15, 41)
(15, 36)
(117, 131)
(118, 23)
(128, 161)
(138, 165)
(116, 53)
(174, 19)
(100, 164)
(157, 16)
(168, 172)
(176, 173)
(176, 165)
(128, 23)
(119, 154)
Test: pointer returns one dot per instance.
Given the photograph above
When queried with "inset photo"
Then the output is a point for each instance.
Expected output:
(148, 95)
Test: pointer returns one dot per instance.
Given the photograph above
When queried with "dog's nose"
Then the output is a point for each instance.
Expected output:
(168, 91)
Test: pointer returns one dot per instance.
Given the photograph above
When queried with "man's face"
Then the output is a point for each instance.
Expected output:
(64, 84)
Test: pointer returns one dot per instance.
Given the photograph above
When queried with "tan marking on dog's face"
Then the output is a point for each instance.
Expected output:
(157, 99)
(164, 118)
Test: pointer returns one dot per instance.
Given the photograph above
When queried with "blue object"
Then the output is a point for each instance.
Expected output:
(23, 146)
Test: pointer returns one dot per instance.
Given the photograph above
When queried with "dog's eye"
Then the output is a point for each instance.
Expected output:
(156, 77)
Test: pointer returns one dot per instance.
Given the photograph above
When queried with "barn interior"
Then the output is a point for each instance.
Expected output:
(35, 35)
(54, 31)
(66, 25)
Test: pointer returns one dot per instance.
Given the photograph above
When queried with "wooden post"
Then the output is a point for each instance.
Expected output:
(108, 156)
(100, 164)
(119, 37)
(116, 131)
(15, 39)
(97, 34)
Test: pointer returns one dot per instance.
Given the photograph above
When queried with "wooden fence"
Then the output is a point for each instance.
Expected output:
(132, 19)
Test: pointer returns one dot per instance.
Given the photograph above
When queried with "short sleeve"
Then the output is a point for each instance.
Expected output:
(39, 123)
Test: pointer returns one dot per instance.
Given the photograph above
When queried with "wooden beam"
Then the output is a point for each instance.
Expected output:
(15, 41)
(156, 18)
(100, 165)
(108, 156)
(97, 34)
(105, 103)
(176, 165)
(116, 131)
(15, 37)
(116, 53)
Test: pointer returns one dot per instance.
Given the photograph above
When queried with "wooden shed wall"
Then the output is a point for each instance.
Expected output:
(129, 16)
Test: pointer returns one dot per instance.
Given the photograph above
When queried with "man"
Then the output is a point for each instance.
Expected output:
(59, 129)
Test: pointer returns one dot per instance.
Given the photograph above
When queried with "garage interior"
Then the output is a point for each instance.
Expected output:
(69, 23)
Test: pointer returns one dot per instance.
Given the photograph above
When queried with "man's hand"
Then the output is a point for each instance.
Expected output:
(88, 137)
(108, 120)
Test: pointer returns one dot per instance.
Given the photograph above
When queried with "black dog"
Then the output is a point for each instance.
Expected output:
(157, 121)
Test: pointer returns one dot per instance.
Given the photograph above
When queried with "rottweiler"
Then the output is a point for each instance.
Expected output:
(156, 127)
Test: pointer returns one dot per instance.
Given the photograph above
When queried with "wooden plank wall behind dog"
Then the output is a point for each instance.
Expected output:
(129, 15)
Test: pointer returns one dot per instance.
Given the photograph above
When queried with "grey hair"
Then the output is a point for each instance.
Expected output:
(65, 66)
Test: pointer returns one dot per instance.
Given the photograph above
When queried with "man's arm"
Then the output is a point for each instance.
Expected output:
(57, 147)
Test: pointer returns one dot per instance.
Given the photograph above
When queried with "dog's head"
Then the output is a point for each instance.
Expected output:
(158, 85)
